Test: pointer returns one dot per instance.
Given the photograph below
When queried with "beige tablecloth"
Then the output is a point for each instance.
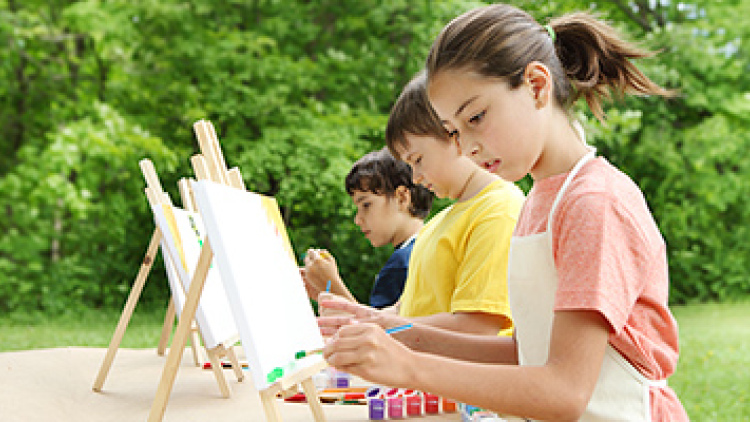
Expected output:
(55, 385)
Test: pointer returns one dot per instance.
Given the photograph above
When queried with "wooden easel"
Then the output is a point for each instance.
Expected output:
(158, 198)
(127, 313)
(210, 165)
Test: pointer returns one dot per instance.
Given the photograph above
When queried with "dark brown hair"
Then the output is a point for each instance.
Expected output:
(412, 114)
(586, 57)
(381, 173)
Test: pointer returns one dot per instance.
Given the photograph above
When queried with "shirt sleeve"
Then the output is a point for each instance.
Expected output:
(601, 257)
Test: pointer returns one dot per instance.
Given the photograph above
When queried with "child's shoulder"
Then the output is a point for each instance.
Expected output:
(500, 196)
(600, 176)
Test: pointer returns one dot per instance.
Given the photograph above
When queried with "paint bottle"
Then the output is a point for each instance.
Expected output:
(396, 406)
(431, 404)
(449, 405)
(413, 403)
(375, 404)
(341, 379)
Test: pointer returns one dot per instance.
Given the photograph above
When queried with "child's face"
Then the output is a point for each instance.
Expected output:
(377, 216)
(435, 164)
(497, 127)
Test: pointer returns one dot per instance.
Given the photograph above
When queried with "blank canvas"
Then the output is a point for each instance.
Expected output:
(265, 290)
(183, 234)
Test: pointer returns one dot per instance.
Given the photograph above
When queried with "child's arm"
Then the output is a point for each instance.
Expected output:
(423, 338)
(558, 390)
(468, 322)
(320, 268)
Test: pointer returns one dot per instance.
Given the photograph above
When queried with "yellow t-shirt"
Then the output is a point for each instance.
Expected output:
(459, 262)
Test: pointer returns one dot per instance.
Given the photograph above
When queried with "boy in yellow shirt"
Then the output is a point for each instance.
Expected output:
(457, 276)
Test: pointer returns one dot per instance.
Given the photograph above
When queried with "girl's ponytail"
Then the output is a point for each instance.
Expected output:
(597, 61)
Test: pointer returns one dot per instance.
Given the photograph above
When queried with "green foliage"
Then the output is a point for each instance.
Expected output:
(71, 211)
(687, 154)
(297, 91)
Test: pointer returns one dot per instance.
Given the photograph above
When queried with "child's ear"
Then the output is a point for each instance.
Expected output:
(403, 195)
(539, 81)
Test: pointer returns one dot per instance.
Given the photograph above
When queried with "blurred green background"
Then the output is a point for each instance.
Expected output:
(297, 91)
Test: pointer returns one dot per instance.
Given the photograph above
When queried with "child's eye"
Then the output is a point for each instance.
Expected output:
(476, 118)
(418, 160)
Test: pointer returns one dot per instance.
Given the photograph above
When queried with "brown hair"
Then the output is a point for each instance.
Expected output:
(412, 114)
(586, 57)
(381, 173)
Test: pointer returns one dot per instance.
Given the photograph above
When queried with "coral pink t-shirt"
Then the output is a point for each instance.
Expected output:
(611, 258)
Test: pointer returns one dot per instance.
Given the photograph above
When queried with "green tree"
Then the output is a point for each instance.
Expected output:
(297, 91)
(687, 153)
(71, 211)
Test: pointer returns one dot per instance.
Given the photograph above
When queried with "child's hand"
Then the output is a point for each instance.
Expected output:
(320, 267)
(365, 350)
(311, 290)
(336, 312)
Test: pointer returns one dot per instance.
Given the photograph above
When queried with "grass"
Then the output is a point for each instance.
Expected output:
(87, 329)
(712, 377)
(713, 374)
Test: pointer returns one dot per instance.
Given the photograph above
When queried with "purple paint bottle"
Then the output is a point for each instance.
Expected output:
(342, 379)
(375, 404)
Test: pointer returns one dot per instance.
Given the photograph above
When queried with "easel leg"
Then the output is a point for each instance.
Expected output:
(127, 312)
(308, 386)
(218, 372)
(166, 329)
(179, 340)
(270, 407)
(195, 345)
(235, 364)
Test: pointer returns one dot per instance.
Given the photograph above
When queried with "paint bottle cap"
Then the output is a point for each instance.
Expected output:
(372, 392)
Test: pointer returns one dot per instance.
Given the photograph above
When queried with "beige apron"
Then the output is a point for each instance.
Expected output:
(621, 392)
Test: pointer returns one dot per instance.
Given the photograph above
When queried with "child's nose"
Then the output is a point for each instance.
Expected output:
(470, 149)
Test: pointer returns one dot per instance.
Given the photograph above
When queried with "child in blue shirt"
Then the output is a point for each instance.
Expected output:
(390, 210)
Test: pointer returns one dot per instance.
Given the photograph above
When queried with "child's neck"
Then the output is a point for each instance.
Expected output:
(477, 180)
(410, 227)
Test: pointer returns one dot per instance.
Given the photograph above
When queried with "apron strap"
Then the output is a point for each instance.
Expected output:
(657, 383)
(571, 175)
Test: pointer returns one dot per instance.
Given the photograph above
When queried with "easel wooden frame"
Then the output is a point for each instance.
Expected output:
(157, 197)
(135, 293)
(211, 166)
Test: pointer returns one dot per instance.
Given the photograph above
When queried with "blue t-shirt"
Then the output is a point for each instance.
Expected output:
(391, 279)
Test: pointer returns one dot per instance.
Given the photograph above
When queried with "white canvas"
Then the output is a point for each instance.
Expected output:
(265, 290)
(213, 315)
(173, 277)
